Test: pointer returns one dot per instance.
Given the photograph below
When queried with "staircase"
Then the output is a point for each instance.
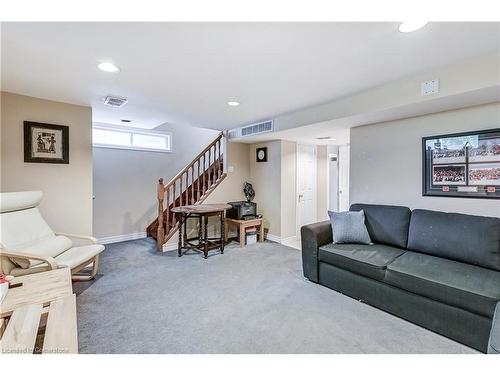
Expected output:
(192, 185)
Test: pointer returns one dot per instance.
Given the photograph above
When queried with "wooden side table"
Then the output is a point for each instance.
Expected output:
(201, 242)
(242, 225)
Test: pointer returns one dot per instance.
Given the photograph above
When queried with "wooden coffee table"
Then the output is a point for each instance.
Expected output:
(43, 287)
(242, 225)
(36, 300)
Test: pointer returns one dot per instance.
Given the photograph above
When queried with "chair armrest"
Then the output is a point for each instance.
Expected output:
(312, 237)
(86, 239)
(51, 262)
(494, 342)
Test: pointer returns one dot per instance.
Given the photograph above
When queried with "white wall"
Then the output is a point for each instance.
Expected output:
(386, 160)
(275, 184)
(266, 180)
(67, 188)
(125, 181)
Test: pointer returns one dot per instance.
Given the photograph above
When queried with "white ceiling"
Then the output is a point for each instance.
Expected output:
(184, 73)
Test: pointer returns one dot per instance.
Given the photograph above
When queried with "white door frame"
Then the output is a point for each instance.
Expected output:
(344, 177)
(315, 187)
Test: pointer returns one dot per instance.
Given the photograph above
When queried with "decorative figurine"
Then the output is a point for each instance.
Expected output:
(249, 192)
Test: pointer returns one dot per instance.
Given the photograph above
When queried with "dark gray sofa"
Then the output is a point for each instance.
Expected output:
(438, 270)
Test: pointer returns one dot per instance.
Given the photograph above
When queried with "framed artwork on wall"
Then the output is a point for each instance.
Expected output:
(462, 165)
(46, 143)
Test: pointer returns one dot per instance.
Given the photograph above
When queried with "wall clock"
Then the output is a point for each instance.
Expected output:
(261, 153)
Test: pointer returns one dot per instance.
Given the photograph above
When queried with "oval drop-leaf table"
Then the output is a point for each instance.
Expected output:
(201, 242)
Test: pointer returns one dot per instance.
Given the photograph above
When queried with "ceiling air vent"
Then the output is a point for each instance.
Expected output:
(115, 101)
(246, 131)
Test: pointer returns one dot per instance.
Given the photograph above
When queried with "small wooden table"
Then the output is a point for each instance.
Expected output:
(202, 212)
(243, 224)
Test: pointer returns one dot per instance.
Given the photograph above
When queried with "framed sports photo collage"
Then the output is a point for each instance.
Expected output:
(462, 165)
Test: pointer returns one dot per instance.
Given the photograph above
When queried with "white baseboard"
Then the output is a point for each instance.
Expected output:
(273, 238)
(122, 237)
(284, 241)
(170, 246)
(288, 240)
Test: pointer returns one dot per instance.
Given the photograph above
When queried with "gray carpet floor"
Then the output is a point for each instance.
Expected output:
(252, 300)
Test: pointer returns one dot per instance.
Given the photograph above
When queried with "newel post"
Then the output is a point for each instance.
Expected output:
(160, 236)
(224, 139)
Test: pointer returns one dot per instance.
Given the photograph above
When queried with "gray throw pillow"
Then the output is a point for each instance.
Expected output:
(349, 227)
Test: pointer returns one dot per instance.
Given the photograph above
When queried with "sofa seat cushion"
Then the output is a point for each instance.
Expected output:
(367, 260)
(78, 255)
(462, 285)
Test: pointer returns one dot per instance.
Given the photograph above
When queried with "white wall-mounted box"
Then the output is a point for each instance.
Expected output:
(430, 87)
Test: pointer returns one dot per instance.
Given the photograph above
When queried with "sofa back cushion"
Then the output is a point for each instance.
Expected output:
(386, 224)
(465, 238)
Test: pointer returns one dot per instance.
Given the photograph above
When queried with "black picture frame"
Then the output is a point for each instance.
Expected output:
(467, 171)
(263, 159)
(57, 150)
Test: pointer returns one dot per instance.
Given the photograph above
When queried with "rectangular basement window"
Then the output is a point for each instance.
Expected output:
(131, 139)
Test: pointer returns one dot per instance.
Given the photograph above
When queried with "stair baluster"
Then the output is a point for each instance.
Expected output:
(192, 185)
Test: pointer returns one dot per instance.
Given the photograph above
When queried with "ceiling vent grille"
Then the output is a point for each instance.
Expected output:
(246, 131)
(115, 101)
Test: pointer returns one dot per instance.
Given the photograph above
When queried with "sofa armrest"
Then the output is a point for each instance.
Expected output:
(51, 262)
(313, 236)
(494, 342)
(80, 239)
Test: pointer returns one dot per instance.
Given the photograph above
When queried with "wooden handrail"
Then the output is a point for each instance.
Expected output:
(184, 170)
(211, 172)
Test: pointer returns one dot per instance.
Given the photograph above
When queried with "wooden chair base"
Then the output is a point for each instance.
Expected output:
(76, 275)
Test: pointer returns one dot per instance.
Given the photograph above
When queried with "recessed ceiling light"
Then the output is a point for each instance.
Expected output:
(125, 120)
(326, 138)
(108, 67)
(408, 27)
(233, 103)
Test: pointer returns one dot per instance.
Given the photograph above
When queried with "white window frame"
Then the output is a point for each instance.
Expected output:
(133, 131)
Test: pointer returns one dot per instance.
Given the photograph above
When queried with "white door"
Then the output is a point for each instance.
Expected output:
(306, 186)
(344, 178)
